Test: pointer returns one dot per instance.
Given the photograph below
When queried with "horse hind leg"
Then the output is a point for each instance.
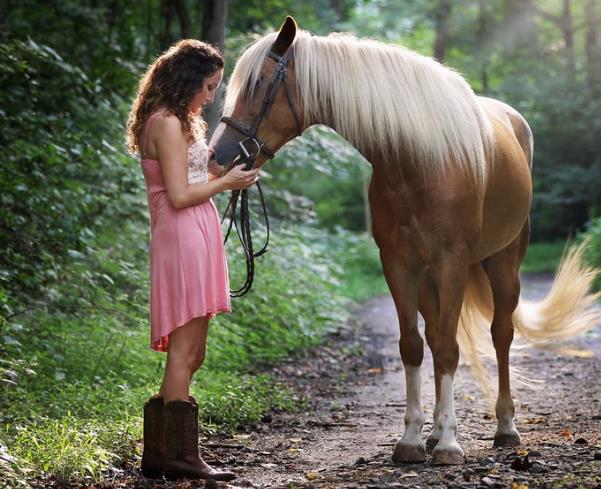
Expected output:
(402, 282)
(502, 270)
(428, 307)
(450, 275)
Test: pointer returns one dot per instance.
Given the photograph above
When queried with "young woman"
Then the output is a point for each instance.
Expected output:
(189, 280)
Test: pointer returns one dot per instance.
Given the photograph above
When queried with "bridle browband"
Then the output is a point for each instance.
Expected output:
(280, 75)
(243, 229)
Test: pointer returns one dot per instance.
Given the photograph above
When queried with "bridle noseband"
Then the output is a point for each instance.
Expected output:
(280, 75)
(243, 229)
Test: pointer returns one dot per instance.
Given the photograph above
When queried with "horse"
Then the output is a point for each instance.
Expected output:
(450, 196)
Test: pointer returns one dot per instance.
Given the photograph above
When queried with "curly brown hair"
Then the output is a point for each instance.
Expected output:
(170, 83)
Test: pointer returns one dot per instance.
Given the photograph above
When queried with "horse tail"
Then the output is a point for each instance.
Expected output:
(473, 332)
(565, 312)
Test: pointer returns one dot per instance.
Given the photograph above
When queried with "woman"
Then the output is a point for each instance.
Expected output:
(189, 281)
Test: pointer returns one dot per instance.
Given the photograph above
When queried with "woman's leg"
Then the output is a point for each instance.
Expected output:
(202, 348)
(183, 352)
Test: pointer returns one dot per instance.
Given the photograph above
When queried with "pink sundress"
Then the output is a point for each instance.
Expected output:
(188, 267)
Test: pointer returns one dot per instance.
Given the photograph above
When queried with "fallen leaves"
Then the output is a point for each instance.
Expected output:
(312, 476)
(535, 420)
(409, 474)
(521, 463)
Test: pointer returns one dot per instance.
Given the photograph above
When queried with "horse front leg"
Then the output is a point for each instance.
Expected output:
(428, 307)
(450, 275)
(402, 280)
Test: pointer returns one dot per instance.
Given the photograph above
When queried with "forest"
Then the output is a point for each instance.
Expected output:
(75, 367)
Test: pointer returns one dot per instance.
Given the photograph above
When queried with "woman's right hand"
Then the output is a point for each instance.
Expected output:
(238, 178)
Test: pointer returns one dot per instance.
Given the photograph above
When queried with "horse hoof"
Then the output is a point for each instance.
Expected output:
(453, 455)
(431, 442)
(409, 453)
(507, 440)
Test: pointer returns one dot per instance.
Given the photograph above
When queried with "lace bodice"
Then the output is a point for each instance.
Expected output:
(198, 162)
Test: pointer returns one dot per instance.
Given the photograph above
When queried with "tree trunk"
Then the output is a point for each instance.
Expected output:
(111, 15)
(443, 11)
(593, 47)
(213, 22)
(149, 35)
(5, 8)
(213, 31)
(568, 36)
(165, 37)
(184, 18)
(482, 45)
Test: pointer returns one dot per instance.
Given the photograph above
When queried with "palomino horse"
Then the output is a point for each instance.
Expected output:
(450, 195)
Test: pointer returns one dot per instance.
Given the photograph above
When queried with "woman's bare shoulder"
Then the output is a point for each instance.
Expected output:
(168, 126)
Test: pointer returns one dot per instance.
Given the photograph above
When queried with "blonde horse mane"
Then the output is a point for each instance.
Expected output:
(380, 97)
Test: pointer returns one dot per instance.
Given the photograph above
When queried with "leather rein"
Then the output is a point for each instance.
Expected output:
(242, 225)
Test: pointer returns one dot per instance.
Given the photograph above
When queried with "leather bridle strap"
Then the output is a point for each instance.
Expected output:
(243, 228)
(280, 75)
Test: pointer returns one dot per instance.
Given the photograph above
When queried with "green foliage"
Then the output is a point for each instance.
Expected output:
(593, 252)
(319, 16)
(543, 257)
(362, 276)
(320, 173)
(62, 172)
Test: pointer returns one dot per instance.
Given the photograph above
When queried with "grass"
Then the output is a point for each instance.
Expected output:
(543, 257)
(76, 367)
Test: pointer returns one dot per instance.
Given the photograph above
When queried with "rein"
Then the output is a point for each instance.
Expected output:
(243, 228)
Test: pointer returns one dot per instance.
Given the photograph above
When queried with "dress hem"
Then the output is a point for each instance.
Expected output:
(161, 344)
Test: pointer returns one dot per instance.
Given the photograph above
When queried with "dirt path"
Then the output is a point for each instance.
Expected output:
(345, 435)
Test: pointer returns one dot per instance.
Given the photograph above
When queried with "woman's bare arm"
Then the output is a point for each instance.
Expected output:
(172, 151)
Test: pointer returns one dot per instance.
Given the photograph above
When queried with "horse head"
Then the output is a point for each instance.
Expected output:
(262, 110)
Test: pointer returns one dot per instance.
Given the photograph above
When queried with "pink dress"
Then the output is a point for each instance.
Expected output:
(188, 268)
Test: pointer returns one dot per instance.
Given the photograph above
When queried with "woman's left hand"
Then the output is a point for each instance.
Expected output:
(215, 168)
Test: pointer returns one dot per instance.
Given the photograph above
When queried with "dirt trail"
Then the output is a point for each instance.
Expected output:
(345, 436)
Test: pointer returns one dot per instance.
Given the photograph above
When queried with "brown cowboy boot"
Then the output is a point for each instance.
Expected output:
(153, 456)
(181, 445)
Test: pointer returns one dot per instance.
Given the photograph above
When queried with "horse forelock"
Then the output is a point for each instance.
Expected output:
(380, 97)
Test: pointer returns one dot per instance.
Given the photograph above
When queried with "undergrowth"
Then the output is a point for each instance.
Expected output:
(76, 367)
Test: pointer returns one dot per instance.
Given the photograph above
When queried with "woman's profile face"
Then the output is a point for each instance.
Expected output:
(206, 94)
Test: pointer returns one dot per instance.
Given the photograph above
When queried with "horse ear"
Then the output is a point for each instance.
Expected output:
(285, 37)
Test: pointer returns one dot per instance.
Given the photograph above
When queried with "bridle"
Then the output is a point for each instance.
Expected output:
(243, 229)
(280, 75)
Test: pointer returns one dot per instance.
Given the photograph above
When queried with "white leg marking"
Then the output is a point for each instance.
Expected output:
(434, 435)
(507, 435)
(411, 448)
(414, 416)
(447, 450)
(504, 410)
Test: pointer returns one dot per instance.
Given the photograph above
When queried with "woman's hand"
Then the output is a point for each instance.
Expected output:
(215, 170)
(238, 178)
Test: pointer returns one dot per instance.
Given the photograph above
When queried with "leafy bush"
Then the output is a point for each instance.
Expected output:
(62, 173)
